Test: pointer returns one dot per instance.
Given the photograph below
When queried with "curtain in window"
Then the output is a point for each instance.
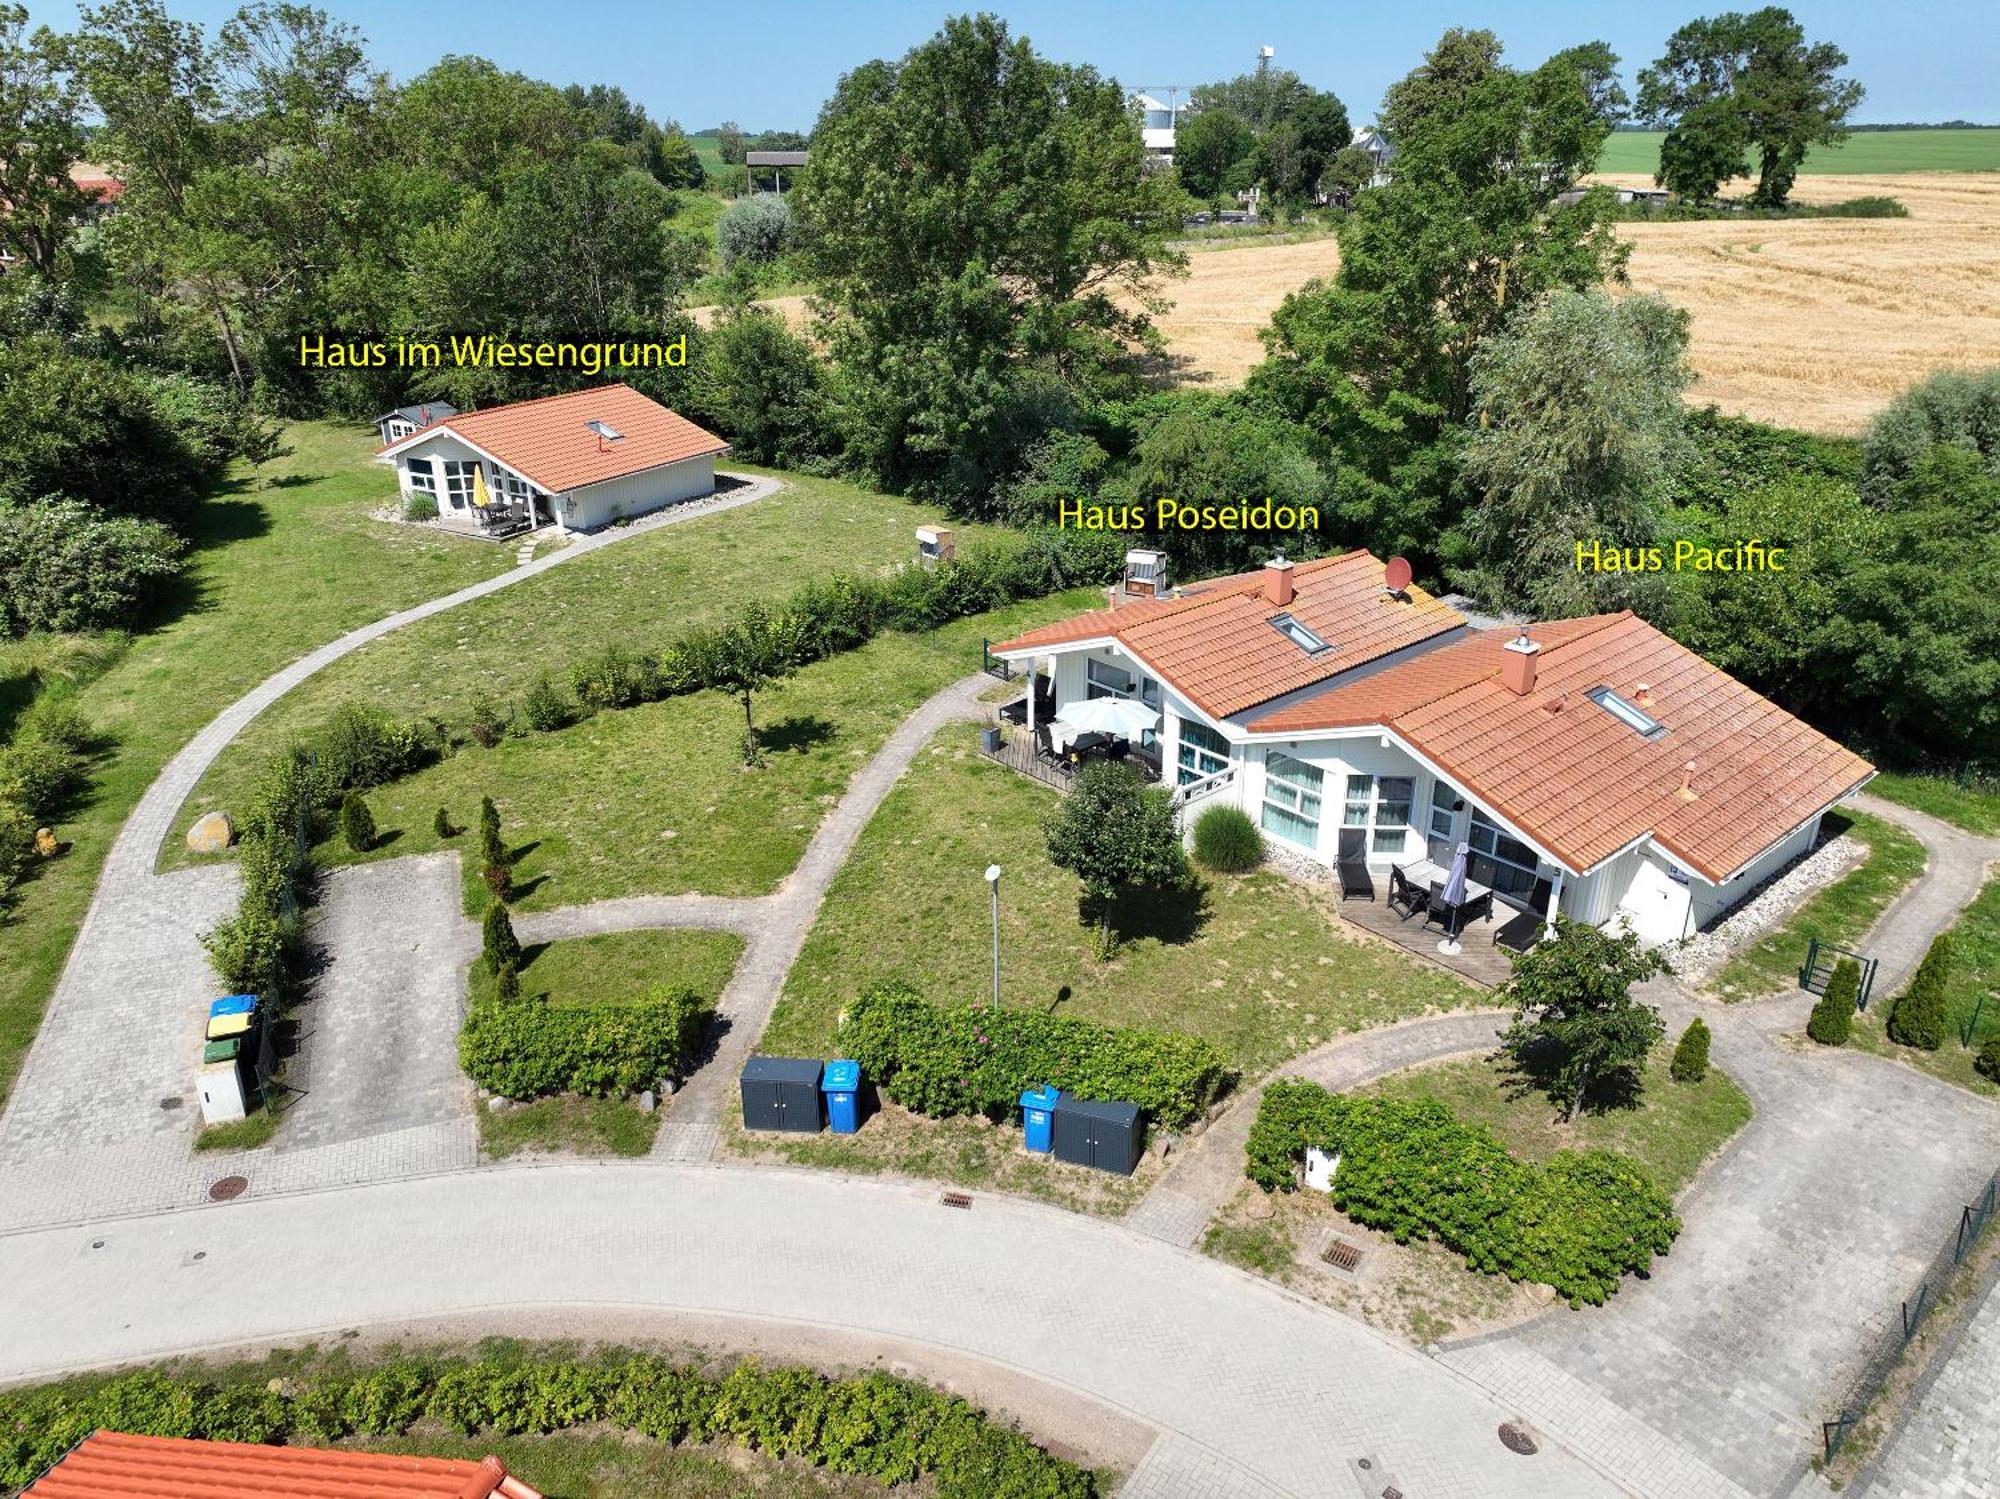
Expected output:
(1291, 799)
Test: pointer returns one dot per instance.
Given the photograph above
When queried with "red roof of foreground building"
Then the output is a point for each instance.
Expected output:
(551, 442)
(1578, 780)
(1217, 647)
(112, 1465)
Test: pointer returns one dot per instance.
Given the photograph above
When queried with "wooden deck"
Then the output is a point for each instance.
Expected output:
(1477, 959)
(1017, 752)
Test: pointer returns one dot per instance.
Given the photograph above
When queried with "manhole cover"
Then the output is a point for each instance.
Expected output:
(171, 1103)
(228, 1187)
(1516, 1439)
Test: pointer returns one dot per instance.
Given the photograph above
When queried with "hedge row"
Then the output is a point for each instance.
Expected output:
(1578, 1223)
(965, 1059)
(877, 1426)
(529, 1048)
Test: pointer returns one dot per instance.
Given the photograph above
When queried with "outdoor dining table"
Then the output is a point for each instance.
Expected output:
(1428, 874)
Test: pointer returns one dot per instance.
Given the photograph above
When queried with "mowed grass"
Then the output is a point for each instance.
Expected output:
(1974, 990)
(612, 1465)
(1263, 968)
(1841, 914)
(1972, 808)
(1670, 1128)
(615, 967)
(641, 592)
(654, 800)
(1867, 151)
(282, 562)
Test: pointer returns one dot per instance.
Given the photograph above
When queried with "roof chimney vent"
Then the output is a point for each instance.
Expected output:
(1517, 666)
(1278, 581)
(1644, 696)
(1687, 791)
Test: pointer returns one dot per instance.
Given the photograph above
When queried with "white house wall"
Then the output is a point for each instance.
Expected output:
(437, 449)
(1711, 901)
(598, 505)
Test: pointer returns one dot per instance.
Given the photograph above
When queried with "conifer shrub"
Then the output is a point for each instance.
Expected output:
(1227, 841)
(499, 882)
(1690, 1063)
(486, 725)
(1987, 1062)
(1919, 1017)
(500, 947)
(491, 849)
(1832, 1019)
(357, 823)
(441, 824)
(507, 982)
(543, 708)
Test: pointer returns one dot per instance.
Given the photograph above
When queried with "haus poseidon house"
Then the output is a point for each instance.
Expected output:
(578, 462)
(1592, 766)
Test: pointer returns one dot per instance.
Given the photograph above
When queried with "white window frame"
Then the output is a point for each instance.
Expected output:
(1380, 828)
(421, 476)
(1481, 824)
(1291, 800)
(1196, 757)
(457, 481)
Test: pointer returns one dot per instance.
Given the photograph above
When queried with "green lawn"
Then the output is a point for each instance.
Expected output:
(1671, 1129)
(1840, 914)
(1264, 969)
(621, 966)
(1971, 808)
(570, 1124)
(282, 563)
(616, 1466)
(1870, 151)
(646, 589)
(1975, 973)
(654, 800)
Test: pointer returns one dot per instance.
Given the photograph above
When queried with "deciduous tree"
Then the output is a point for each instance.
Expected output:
(1575, 1020)
(39, 122)
(1116, 834)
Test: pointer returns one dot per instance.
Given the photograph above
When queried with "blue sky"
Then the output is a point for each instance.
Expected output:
(769, 63)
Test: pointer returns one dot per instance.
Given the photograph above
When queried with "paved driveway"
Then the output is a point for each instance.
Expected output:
(1248, 1378)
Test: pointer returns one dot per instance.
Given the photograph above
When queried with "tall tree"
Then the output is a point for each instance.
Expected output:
(1575, 1020)
(1443, 83)
(974, 212)
(1738, 82)
(41, 138)
(1210, 148)
(1115, 834)
(1261, 98)
(730, 143)
(1577, 420)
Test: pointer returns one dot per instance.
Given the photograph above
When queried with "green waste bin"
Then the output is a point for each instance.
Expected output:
(225, 1050)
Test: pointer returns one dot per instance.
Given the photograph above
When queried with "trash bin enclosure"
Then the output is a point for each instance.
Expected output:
(781, 1093)
(1104, 1135)
(840, 1083)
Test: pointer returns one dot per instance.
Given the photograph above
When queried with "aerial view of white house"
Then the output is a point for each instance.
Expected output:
(1593, 766)
(577, 462)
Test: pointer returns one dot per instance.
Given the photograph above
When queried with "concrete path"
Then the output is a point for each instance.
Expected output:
(1956, 864)
(1247, 1379)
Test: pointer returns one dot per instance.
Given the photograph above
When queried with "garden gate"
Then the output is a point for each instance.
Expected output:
(1820, 960)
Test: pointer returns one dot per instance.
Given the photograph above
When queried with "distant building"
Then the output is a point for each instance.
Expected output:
(777, 163)
(1157, 126)
(1380, 150)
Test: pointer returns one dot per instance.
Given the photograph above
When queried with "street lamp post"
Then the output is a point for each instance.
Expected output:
(993, 883)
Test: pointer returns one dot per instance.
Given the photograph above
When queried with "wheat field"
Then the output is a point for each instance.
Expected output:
(1812, 323)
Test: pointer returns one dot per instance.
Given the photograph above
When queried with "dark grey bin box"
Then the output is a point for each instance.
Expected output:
(781, 1093)
(1105, 1135)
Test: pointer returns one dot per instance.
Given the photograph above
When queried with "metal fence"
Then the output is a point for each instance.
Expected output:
(1817, 970)
(1973, 1219)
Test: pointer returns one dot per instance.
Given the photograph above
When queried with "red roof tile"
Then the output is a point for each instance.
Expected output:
(1579, 781)
(1216, 645)
(112, 1465)
(548, 441)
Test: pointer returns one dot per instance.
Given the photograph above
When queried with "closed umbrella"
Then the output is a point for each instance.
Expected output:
(1118, 716)
(1453, 896)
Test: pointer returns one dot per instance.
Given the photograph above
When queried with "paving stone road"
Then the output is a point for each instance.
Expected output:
(1950, 1446)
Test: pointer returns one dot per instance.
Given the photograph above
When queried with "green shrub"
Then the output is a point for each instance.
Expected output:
(507, 982)
(40, 775)
(754, 229)
(418, 506)
(1920, 1014)
(1227, 841)
(441, 824)
(1690, 1063)
(543, 709)
(1832, 1020)
(615, 678)
(17, 846)
(498, 944)
(357, 823)
(248, 952)
(65, 565)
(492, 850)
(530, 1048)
(970, 1059)
(1987, 1062)
(499, 881)
(486, 725)
(53, 718)
(1412, 1169)
(362, 747)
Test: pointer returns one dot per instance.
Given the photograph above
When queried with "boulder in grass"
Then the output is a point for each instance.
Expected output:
(212, 834)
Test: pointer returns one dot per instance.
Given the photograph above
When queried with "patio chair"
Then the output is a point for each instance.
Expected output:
(1405, 897)
(1520, 934)
(1352, 864)
(1016, 711)
(1045, 749)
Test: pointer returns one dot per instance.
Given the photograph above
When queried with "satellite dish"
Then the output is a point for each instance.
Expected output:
(1396, 574)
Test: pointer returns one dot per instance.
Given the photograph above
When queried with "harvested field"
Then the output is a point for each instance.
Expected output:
(1813, 323)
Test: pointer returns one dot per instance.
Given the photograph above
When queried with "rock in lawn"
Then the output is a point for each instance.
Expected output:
(46, 844)
(495, 1104)
(667, 1087)
(647, 1103)
(212, 834)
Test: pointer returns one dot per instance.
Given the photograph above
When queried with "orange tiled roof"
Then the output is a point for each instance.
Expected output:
(112, 1465)
(546, 440)
(1580, 782)
(1217, 648)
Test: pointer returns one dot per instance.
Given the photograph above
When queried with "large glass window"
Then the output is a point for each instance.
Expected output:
(458, 481)
(1203, 752)
(1360, 797)
(1291, 799)
(1393, 800)
(1504, 862)
(1444, 816)
(421, 477)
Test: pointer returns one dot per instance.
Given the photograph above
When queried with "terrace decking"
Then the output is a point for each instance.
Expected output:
(1478, 958)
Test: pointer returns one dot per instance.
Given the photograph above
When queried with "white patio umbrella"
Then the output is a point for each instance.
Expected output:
(1118, 716)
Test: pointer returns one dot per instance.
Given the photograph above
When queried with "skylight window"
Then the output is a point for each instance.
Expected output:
(1298, 634)
(1631, 715)
(605, 430)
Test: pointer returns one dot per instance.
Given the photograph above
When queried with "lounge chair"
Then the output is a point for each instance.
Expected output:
(1405, 897)
(1520, 934)
(1352, 864)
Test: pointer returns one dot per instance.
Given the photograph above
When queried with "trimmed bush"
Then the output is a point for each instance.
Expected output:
(441, 824)
(499, 881)
(543, 708)
(1832, 1020)
(1411, 1168)
(507, 982)
(1920, 1014)
(492, 850)
(1690, 1063)
(1987, 1062)
(872, 1425)
(968, 1059)
(1227, 841)
(530, 1048)
(498, 944)
(357, 823)
(251, 951)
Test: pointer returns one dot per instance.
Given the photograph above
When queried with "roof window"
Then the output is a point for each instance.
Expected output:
(1631, 715)
(605, 430)
(1298, 634)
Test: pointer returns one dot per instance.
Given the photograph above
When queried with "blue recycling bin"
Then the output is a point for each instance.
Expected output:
(1037, 1116)
(235, 1004)
(841, 1083)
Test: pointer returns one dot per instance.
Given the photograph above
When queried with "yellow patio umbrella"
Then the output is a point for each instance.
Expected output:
(480, 498)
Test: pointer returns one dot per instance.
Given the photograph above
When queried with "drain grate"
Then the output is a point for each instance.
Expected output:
(228, 1187)
(1516, 1439)
(1342, 1254)
(955, 1199)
